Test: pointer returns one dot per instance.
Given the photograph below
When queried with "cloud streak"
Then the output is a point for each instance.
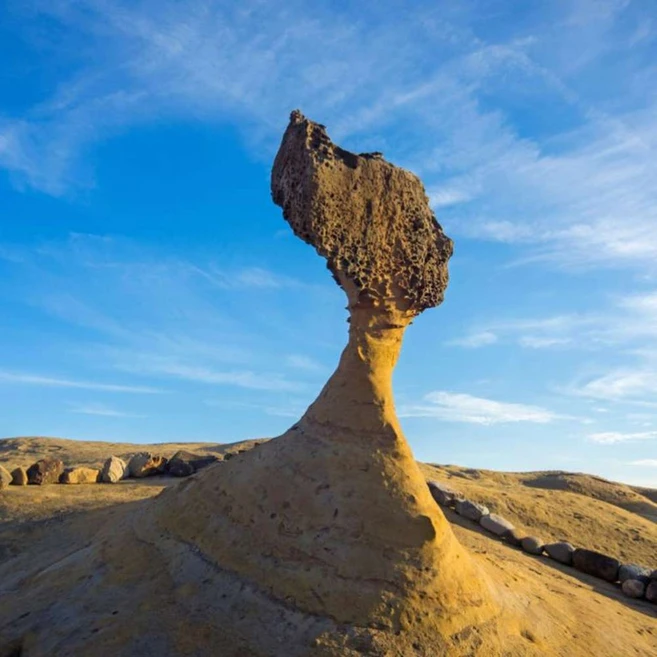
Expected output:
(460, 407)
(580, 195)
(614, 437)
(101, 410)
(22, 378)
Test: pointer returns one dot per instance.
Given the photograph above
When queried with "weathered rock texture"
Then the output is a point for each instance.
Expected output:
(346, 526)
(19, 476)
(114, 469)
(561, 551)
(45, 471)
(369, 219)
(596, 564)
(146, 465)
(184, 464)
(80, 475)
(496, 524)
(326, 540)
(5, 477)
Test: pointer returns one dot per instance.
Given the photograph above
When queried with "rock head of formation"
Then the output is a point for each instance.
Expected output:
(325, 540)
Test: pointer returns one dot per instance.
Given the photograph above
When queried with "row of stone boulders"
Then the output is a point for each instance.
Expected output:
(115, 469)
(635, 581)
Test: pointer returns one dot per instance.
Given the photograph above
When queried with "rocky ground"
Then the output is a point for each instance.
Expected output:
(587, 511)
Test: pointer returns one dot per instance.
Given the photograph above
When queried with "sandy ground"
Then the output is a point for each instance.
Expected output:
(585, 510)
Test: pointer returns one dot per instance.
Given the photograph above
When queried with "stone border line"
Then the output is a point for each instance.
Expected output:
(639, 582)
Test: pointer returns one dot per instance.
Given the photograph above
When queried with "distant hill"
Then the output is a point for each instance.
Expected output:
(41, 526)
(25, 450)
(584, 509)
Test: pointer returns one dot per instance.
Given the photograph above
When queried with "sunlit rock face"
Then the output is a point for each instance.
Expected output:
(324, 541)
(370, 219)
(346, 527)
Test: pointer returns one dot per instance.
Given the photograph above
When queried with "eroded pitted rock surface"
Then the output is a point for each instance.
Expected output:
(370, 219)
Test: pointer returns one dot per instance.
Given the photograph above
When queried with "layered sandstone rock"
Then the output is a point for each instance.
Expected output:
(346, 526)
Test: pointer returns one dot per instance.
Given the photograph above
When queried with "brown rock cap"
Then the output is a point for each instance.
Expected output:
(370, 219)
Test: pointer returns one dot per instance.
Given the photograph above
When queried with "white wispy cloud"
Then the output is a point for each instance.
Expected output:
(627, 320)
(632, 385)
(443, 197)
(613, 437)
(24, 378)
(290, 408)
(251, 380)
(651, 463)
(532, 332)
(101, 410)
(582, 195)
(249, 277)
(460, 407)
(301, 362)
(541, 342)
(475, 340)
(152, 315)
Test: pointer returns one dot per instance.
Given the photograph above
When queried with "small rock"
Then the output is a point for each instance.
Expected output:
(444, 495)
(146, 465)
(19, 476)
(496, 524)
(183, 464)
(471, 510)
(45, 471)
(632, 571)
(514, 537)
(5, 477)
(114, 469)
(653, 575)
(596, 564)
(532, 545)
(561, 552)
(651, 591)
(633, 588)
(80, 476)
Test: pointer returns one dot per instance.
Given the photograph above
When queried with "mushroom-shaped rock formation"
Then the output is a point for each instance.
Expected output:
(346, 526)
(323, 541)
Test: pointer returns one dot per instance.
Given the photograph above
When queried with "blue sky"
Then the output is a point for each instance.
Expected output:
(151, 291)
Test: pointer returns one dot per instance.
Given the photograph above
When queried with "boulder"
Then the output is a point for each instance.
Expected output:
(632, 571)
(532, 545)
(471, 510)
(633, 588)
(495, 524)
(596, 564)
(45, 471)
(5, 477)
(80, 475)
(653, 575)
(651, 591)
(146, 465)
(561, 551)
(19, 476)
(114, 469)
(443, 494)
(514, 537)
(183, 464)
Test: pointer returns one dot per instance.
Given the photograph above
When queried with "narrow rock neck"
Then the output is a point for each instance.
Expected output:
(358, 397)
